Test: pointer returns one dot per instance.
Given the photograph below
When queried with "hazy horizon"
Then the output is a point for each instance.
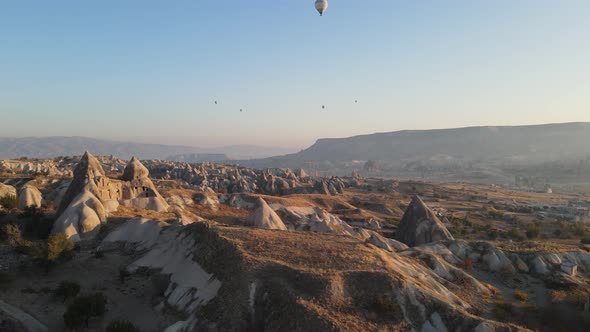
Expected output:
(187, 141)
(150, 72)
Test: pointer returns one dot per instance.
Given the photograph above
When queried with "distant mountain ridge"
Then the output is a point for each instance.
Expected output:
(50, 147)
(533, 143)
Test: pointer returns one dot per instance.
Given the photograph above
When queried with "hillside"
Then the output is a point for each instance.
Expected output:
(50, 147)
(528, 143)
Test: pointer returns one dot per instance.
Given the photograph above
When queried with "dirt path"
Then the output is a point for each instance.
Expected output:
(30, 323)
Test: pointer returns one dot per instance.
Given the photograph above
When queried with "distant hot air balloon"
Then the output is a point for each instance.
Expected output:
(321, 6)
(216, 102)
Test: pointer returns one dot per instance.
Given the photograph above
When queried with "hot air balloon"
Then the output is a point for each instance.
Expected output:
(321, 6)
(216, 102)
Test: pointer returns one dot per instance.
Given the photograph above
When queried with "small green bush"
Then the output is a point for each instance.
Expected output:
(121, 326)
(67, 289)
(585, 240)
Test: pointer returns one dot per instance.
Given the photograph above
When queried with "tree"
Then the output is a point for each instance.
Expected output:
(83, 308)
(57, 245)
(57, 248)
(67, 289)
(121, 326)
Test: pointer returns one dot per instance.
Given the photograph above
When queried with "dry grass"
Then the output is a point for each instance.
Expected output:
(133, 212)
(521, 296)
(303, 250)
(576, 296)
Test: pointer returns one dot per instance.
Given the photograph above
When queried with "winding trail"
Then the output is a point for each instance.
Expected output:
(29, 322)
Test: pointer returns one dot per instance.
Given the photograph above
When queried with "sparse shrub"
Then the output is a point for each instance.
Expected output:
(25, 247)
(67, 289)
(503, 311)
(532, 230)
(9, 202)
(83, 308)
(11, 233)
(585, 240)
(515, 233)
(521, 296)
(121, 326)
(557, 233)
(524, 209)
(492, 234)
(575, 295)
(579, 228)
(493, 213)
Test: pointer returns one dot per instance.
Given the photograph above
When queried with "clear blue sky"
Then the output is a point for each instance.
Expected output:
(150, 70)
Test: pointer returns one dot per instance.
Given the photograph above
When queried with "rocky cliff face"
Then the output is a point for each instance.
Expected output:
(91, 195)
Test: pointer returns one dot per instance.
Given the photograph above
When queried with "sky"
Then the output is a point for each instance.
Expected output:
(150, 71)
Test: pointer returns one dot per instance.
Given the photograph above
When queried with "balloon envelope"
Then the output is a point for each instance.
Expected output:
(321, 6)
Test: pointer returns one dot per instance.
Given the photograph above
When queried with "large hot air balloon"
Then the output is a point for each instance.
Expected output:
(321, 6)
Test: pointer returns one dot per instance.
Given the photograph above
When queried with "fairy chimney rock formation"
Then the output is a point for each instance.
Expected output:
(135, 170)
(420, 225)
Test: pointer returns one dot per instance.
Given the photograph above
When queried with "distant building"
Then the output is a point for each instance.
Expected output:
(569, 268)
(548, 189)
